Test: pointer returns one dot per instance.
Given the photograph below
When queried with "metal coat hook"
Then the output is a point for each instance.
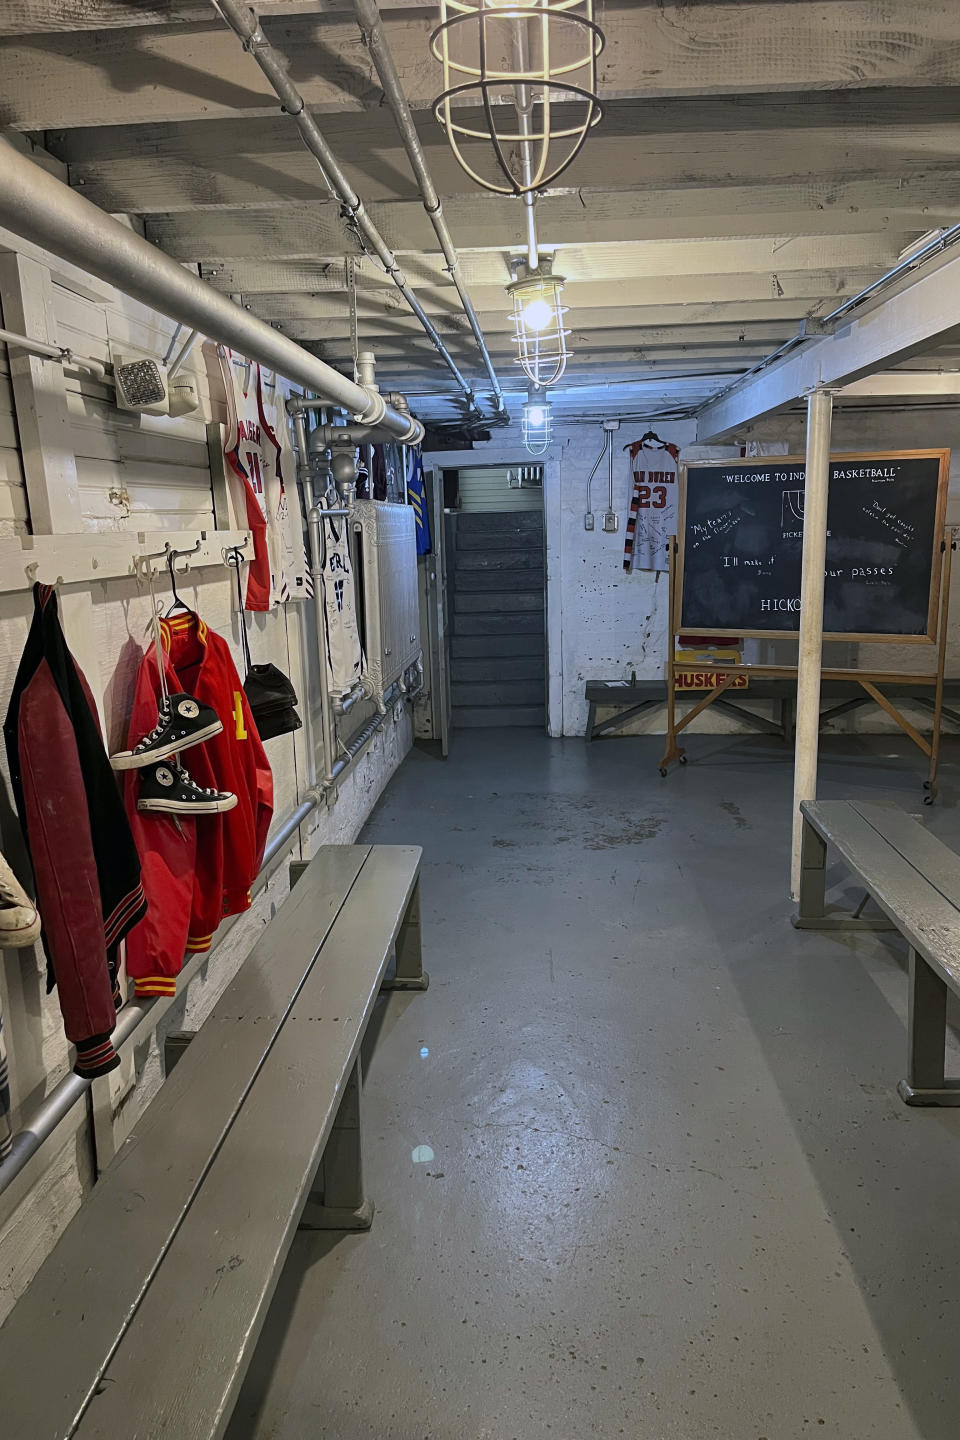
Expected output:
(172, 557)
(233, 554)
(31, 572)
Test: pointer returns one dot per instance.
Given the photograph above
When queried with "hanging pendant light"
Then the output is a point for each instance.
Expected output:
(537, 424)
(538, 328)
(521, 76)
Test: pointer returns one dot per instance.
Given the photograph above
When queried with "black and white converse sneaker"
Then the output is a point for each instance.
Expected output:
(168, 788)
(182, 722)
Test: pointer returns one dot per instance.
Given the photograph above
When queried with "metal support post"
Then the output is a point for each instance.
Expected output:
(816, 490)
(927, 1038)
(338, 1202)
(410, 974)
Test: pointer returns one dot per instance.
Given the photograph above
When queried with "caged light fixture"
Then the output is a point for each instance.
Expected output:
(538, 329)
(520, 78)
(537, 424)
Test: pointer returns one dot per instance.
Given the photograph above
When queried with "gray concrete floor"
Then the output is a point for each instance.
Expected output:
(638, 1159)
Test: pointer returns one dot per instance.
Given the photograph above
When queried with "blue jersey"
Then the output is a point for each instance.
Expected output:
(418, 499)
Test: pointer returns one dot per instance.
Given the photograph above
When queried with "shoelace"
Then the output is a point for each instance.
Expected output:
(163, 718)
(191, 784)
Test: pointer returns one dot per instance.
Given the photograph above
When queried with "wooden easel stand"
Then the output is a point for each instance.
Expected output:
(868, 680)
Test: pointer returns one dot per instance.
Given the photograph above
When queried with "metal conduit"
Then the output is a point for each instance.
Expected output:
(371, 25)
(926, 252)
(245, 22)
(41, 208)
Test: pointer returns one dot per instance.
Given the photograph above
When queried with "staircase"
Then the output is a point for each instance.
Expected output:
(498, 641)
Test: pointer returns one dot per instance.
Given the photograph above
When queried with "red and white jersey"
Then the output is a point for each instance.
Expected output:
(253, 451)
(654, 504)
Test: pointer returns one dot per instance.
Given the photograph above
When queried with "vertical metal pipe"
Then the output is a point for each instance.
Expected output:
(314, 522)
(815, 496)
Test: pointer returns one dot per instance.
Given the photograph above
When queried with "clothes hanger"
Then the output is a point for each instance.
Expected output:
(172, 557)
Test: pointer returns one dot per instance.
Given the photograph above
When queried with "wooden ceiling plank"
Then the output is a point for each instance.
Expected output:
(197, 71)
(912, 203)
(236, 174)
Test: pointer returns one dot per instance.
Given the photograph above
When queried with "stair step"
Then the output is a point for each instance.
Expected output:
(523, 624)
(497, 602)
(530, 559)
(490, 647)
(465, 580)
(498, 716)
(516, 667)
(509, 693)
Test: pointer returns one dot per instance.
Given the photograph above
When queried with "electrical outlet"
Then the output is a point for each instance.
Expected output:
(589, 520)
(611, 521)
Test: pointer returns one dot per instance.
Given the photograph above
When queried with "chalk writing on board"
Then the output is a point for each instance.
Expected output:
(713, 528)
(742, 533)
(901, 529)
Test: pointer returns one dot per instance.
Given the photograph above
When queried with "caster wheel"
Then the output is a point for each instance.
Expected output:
(926, 784)
(663, 771)
(683, 759)
(929, 799)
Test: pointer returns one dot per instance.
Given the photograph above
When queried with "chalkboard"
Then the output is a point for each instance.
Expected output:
(741, 541)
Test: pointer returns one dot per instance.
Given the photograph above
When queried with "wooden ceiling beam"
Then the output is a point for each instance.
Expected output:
(260, 163)
(602, 300)
(622, 262)
(197, 70)
(913, 203)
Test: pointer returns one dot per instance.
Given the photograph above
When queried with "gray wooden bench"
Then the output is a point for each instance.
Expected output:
(915, 880)
(628, 699)
(143, 1320)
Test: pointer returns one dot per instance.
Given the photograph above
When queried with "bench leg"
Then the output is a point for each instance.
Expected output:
(811, 907)
(927, 1038)
(813, 879)
(409, 973)
(338, 1202)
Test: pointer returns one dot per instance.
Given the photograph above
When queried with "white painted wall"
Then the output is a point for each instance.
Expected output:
(603, 624)
(139, 473)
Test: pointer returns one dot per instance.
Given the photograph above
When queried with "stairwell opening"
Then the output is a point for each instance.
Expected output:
(497, 595)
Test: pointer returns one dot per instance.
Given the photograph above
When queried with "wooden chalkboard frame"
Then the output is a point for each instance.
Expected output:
(763, 462)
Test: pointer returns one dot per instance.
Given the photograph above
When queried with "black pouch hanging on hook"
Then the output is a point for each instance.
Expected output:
(270, 694)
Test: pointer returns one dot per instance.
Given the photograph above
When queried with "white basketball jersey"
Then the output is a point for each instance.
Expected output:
(653, 504)
(344, 654)
(295, 571)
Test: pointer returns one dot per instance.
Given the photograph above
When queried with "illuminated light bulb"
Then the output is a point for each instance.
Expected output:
(536, 416)
(537, 315)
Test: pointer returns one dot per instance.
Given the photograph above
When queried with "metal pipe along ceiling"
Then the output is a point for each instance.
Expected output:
(41, 208)
(245, 22)
(371, 24)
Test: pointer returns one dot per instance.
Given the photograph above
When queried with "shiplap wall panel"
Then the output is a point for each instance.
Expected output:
(134, 471)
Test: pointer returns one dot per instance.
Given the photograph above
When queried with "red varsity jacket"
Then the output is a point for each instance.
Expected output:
(196, 871)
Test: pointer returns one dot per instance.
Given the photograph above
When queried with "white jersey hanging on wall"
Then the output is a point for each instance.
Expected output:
(344, 653)
(654, 503)
(296, 581)
(252, 451)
